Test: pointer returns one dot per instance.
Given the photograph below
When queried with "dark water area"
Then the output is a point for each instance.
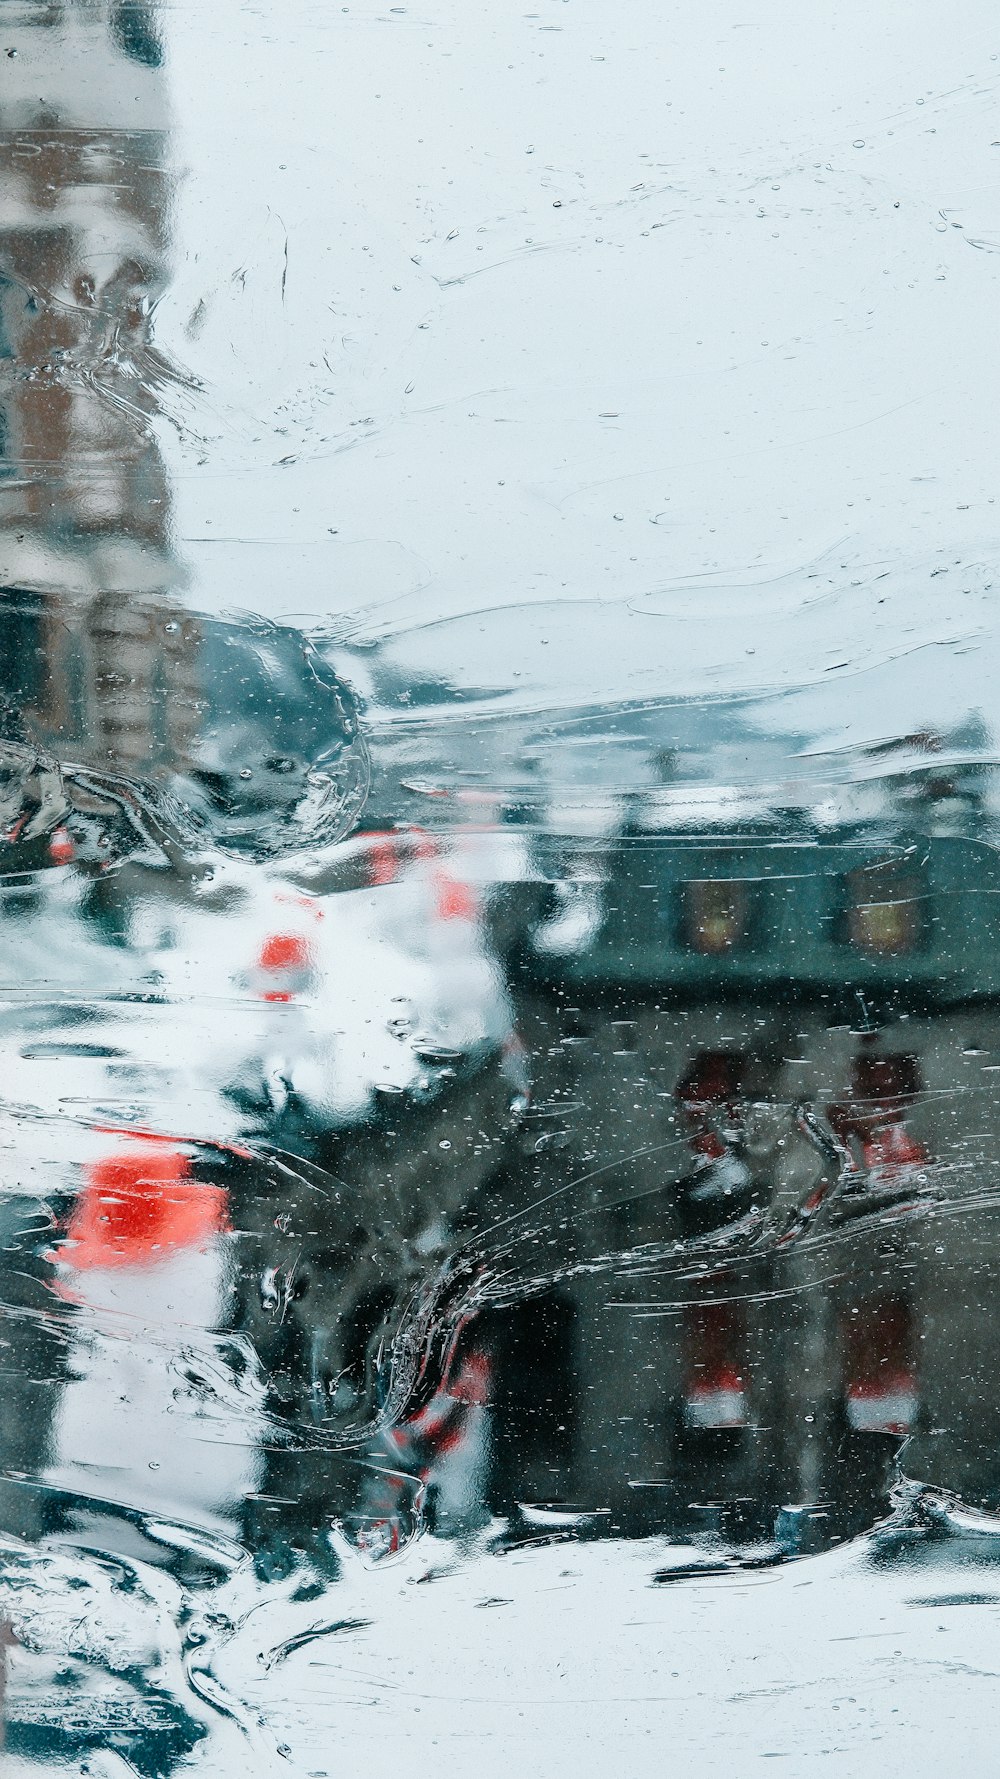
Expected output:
(499, 1004)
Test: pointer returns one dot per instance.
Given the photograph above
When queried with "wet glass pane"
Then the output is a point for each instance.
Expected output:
(500, 931)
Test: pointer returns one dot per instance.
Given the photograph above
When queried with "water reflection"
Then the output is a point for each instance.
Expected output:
(399, 1146)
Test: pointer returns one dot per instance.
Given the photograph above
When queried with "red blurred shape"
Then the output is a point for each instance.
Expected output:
(283, 966)
(892, 1154)
(139, 1206)
(384, 859)
(880, 1380)
(887, 1080)
(455, 900)
(472, 1379)
(390, 851)
(884, 1090)
(62, 850)
(715, 1370)
(284, 951)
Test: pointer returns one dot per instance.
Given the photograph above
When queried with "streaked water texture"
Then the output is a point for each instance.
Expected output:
(500, 940)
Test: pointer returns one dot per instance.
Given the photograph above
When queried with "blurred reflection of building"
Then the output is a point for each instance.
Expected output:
(100, 664)
(84, 501)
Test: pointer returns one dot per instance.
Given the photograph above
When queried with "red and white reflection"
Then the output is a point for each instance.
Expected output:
(142, 1420)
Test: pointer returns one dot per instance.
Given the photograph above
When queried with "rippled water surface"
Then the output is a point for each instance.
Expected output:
(500, 933)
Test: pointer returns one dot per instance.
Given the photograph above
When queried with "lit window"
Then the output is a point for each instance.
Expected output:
(884, 915)
(716, 915)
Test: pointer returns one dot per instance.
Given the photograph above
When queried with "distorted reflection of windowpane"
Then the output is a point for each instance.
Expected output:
(500, 900)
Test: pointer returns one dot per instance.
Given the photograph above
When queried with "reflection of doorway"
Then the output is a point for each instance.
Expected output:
(533, 1347)
(878, 1342)
(715, 1368)
(712, 1449)
(876, 1407)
